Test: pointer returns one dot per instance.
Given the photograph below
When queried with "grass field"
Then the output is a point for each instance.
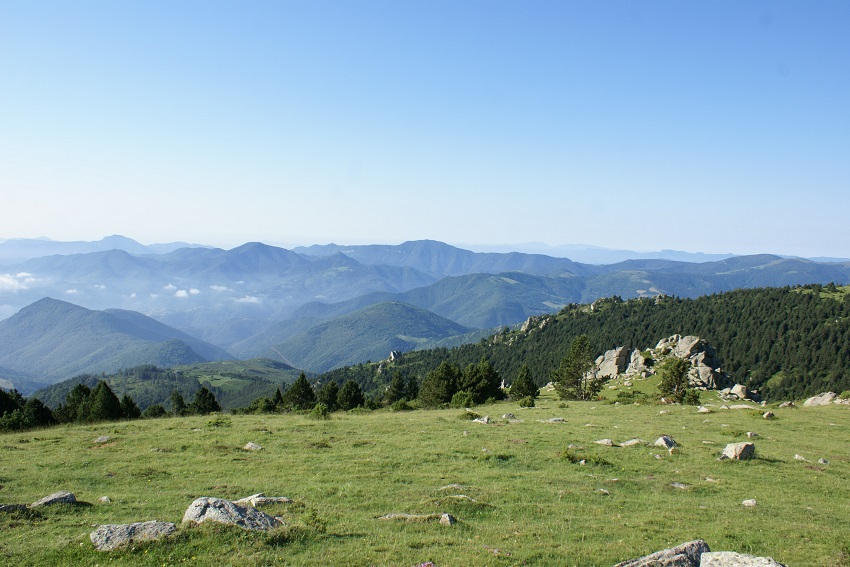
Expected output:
(525, 502)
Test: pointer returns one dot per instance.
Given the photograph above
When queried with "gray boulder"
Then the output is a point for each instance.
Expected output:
(666, 442)
(227, 512)
(113, 536)
(260, 499)
(732, 559)
(637, 363)
(612, 363)
(740, 391)
(739, 451)
(60, 497)
(684, 555)
(823, 399)
(688, 346)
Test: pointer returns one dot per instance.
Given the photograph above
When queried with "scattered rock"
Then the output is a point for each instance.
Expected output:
(787, 405)
(823, 462)
(447, 520)
(104, 500)
(603, 492)
(508, 416)
(703, 409)
(444, 519)
(752, 435)
(251, 446)
(769, 415)
(739, 451)
(606, 442)
(554, 420)
(751, 503)
(801, 458)
(665, 441)
(740, 391)
(260, 499)
(679, 485)
(732, 559)
(663, 412)
(684, 555)
(226, 512)
(485, 420)
(113, 536)
(61, 497)
(632, 442)
(12, 507)
(103, 439)
(823, 399)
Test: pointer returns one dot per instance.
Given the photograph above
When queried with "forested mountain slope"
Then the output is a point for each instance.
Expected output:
(786, 342)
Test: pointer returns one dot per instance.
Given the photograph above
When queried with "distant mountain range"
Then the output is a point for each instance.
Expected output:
(21, 249)
(318, 306)
(52, 340)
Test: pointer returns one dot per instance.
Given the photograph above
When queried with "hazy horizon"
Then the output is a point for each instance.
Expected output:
(717, 127)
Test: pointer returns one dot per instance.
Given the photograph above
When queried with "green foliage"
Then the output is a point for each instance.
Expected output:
(350, 396)
(328, 395)
(691, 398)
(574, 379)
(462, 399)
(154, 411)
(129, 409)
(178, 404)
(845, 395)
(104, 405)
(673, 375)
(300, 395)
(631, 397)
(523, 385)
(527, 402)
(204, 403)
(396, 390)
(401, 405)
(481, 381)
(469, 416)
(320, 411)
(439, 385)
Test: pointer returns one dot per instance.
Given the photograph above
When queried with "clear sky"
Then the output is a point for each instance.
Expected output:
(719, 126)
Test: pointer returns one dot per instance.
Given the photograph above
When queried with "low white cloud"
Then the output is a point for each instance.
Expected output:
(70, 291)
(133, 295)
(194, 291)
(154, 295)
(215, 287)
(169, 287)
(8, 282)
(23, 275)
(181, 293)
(99, 286)
(249, 299)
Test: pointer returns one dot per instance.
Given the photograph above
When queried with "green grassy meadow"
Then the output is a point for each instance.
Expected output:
(525, 501)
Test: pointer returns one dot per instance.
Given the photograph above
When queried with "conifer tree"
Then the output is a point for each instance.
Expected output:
(105, 405)
(300, 395)
(523, 386)
(328, 395)
(129, 409)
(350, 396)
(205, 402)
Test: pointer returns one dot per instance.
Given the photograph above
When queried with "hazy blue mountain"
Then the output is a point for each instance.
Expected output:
(20, 249)
(52, 340)
(368, 333)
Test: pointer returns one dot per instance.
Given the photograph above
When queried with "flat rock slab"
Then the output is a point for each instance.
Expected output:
(823, 399)
(732, 559)
(685, 555)
(226, 512)
(666, 442)
(260, 499)
(444, 519)
(61, 497)
(113, 536)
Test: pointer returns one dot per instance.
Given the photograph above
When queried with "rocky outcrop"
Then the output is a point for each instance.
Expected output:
(685, 555)
(60, 497)
(637, 364)
(612, 363)
(113, 536)
(732, 559)
(823, 399)
(705, 371)
(227, 512)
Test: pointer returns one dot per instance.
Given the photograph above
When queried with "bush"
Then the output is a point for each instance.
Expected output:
(691, 398)
(154, 411)
(631, 397)
(845, 395)
(527, 402)
(469, 415)
(401, 405)
(462, 399)
(320, 411)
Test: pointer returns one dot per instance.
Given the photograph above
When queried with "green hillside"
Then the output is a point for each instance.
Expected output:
(786, 342)
(366, 334)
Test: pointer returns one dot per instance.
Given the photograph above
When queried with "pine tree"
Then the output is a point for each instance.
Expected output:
(523, 386)
(574, 378)
(396, 390)
(439, 385)
(350, 396)
(481, 381)
(178, 404)
(277, 400)
(129, 409)
(328, 394)
(300, 395)
(105, 405)
(205, 402)
(673, 374)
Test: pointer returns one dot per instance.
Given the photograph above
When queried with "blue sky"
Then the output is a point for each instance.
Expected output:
(712, 126)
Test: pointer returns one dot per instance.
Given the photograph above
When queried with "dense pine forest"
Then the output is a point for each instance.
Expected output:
(785, 342)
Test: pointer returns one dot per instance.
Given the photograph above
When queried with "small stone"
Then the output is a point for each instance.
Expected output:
(664, 412)
(732, 559)
(447, 520)
(508, 416)
(752, 435)
(801, 458)
(823, 462)
(603, 492)
(703, 409)
(679, 485)
(61, 497)
(113, 536)
(769, 415)
(632, 442)
(102, 439)
(606, 442)
(485, 420)
(227, 512)
(665, 441)
(251, 446)
(739, 451)
(787, 405)
(104, 500)
(751, 503)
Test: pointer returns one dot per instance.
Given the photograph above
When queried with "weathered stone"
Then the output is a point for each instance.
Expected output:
(823, 399)
(741, 391)
(227, 512)
(632, 442)
(612, 363)
(61, 497)
(485, 420)
(823, 461)
(801, 458)
(251, 446)
(606, 442)
(703, 409)
(752, 435)
(104, 500)
(768, 415)
(103, 439)
(751, 503)
(732, 559)
(687, 346)
(12, 507)
(665, 441)
(684, 555)
(739, 451)
(447, 520)
(508, 416)
(637, 363)
(113, 536)
(444, 519)
(787, 405)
